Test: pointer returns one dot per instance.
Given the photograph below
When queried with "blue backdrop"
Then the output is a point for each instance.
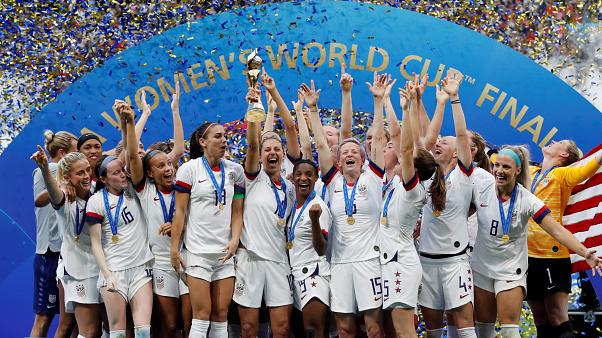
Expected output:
(506, 96)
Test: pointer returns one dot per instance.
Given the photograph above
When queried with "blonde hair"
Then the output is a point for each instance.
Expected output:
(574, 153)
(55, 142)
(523, 153)
(66, 164)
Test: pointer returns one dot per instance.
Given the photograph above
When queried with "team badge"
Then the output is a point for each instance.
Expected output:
(240, 288)
(80, 290)
(51, 299)
(159, 282)
(362, 188)
(231, 176)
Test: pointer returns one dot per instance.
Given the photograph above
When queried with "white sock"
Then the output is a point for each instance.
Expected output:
(452, 331)
(117, 334)
(218, 330)
(510, 331)
(437, 333)
(234, 331)
(105, 334)
(199, 328)
(485, 330)
(142, 331)
(80, 336)
(467, 332)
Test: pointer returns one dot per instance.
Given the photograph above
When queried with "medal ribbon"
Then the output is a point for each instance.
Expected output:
(506, 219)
(291, 233)
(79, 226)
(167, 217)
(219, 189)
(281, 204)
(112, 221)
(386, 205)
(349, 201)
(536, 182)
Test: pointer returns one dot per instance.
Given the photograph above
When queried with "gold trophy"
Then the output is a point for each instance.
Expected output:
(255, 110)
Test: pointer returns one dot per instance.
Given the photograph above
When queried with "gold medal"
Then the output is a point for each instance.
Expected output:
(350, 220)
(77, 238)
(289, 245)
(281, 222)
(436, 213)
(220, 206)
(115, 239)
(384, 220)
(505, 238)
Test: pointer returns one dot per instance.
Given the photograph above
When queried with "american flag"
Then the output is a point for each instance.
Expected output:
(583, 214)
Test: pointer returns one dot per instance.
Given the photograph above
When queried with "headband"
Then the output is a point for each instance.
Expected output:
(205, 131)
(85, 137)
(512, 154)
(102, 170)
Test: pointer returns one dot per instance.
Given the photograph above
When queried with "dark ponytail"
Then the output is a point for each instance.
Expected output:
(99, 184)
(196, 150)
(426, 167)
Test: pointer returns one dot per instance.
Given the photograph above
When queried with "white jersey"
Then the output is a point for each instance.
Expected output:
(288, 164)
(262, 235)
(359, 241)
(131, 249)
(208, 229)
(397, 235)
(492, 257)
(78, 260)
(478, 178)
(48, 234)
(303, 252)
(322, 190)
(448, 233)
(148, 194)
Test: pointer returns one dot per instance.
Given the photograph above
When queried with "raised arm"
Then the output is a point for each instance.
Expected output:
(131, 145)
(290, 129)
(566, 238)
(424, 118)
(253, 130)
(406, 156)
(268, 125)
(146, 113)
(346, 83)
(311, 99)
(451, 85)
(377, 88)
(178, 129)
(435, 126)
(304, 138)
(392, 122)
(54, 192)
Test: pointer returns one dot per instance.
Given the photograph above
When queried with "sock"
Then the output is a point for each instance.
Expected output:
(452, 331)
(234, 331)
(544, 330)
(437, 333)
(467, 332)
(80, 336)
(199, 328)
(563, 330)
(117, 334)
(105, 334)
(218, 330)
(509, 331)
(142, 331)
(485, 330)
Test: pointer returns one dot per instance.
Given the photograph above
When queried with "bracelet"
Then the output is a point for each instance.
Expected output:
(455, 101)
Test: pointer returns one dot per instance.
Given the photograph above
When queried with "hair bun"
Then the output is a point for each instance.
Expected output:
(48, 136)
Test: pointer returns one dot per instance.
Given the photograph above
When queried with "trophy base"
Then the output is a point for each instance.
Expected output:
(256, 115)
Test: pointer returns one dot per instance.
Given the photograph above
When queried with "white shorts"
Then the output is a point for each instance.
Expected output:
(129, 281)
(446, 283)
(356, 286)
(81, 291)
(400, 284)
(207, 267)
(312, 287)
(496, 286)
(167, 283)
(257, 278)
